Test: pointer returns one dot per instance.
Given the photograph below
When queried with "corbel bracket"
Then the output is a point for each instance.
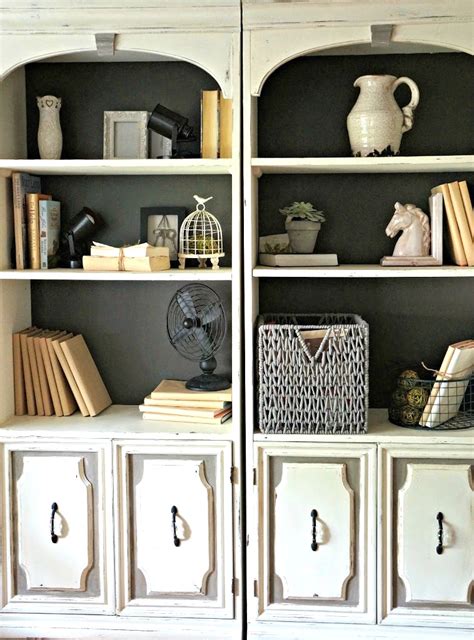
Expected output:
(105, 44)
(381, 34)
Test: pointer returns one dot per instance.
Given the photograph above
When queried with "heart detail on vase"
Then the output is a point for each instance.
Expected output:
(49, 103)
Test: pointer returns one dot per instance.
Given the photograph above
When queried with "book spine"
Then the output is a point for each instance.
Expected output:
(43, 234)
(455, 244)
(225, 127)
(19, 222)
(33, 230)
(466, 198)
(209, 124)
(461, 219)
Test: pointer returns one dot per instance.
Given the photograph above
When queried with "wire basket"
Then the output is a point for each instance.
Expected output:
(432, 404)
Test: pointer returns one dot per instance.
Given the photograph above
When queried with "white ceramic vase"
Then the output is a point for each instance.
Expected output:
(302, 234)
(50, 137)
(376, 122)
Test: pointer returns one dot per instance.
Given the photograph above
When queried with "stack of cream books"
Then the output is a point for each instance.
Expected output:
(171, 401)
(451, 383)
(138, 257)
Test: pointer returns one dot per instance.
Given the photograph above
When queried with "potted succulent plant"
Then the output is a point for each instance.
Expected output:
(303, 223)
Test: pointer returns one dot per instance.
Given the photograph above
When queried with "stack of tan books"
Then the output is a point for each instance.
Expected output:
(172, 402)
(55, 374)
(137, 257)
(216, 125)
(460, 221)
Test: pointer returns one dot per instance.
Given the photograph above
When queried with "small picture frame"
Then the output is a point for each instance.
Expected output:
(125, 135)
(159, 226)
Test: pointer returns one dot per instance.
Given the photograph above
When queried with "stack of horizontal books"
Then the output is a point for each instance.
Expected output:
(171, 401)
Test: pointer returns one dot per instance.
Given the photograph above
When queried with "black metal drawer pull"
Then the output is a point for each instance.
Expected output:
(54, 508)
(176, 540)
(314, 544)
(439, 548)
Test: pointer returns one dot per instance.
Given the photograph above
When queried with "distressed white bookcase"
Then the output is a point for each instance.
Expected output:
(375, 573)
(115, 571)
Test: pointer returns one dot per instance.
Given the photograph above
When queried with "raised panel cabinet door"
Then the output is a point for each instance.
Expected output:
(55, 518)
(436, 533)
(426, 544)
(316, 532)
(175, 529)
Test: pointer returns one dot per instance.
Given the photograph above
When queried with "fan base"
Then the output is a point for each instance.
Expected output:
(208, 382)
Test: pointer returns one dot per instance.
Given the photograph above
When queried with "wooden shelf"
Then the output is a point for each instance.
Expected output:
(194, 166)
(398, 164)
(379, 430)
(118, 421)
(179, 275)
(364, 271)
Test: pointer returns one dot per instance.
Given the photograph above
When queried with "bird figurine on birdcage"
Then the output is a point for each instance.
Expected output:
(200, 237)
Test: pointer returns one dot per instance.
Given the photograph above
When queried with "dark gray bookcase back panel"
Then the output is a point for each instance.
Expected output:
(411, 320)
(358, 207)
(304, 104)
(89, 89)
(124, 325)
(119, 199)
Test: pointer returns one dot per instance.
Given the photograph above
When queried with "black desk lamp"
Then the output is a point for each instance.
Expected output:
(171, 125)
(81, 228)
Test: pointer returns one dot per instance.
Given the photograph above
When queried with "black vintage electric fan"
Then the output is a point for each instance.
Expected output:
(196, 329)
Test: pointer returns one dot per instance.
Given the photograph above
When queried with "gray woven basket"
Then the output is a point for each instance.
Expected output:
(326, 392)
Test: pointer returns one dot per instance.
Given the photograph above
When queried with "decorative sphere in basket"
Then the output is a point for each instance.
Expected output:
(200, 237)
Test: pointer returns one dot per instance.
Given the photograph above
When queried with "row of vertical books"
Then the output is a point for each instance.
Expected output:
(36, 223)
(460, 221)
(216, 125)
(55, 374)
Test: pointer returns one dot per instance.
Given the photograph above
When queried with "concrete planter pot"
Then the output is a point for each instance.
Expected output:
(303, 235)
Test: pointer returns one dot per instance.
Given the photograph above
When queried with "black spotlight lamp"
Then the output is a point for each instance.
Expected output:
(171, 125)
(81, 228)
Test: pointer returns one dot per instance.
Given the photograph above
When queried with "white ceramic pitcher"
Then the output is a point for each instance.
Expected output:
(376, 122)
(50, 137)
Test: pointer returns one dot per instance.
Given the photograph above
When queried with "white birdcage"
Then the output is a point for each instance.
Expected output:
(200, 237)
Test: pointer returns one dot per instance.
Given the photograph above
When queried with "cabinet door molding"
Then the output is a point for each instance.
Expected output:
(316, 532)
(57, 528)
(426, 542)
(174, 529)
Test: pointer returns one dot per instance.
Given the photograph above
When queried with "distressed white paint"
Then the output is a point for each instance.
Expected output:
(427, 576)
(306, 573)
(438, 481)
(170, 569)
(66, 564)
(174, 474)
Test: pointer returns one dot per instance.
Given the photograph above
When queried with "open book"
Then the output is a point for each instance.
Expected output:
(446, 397)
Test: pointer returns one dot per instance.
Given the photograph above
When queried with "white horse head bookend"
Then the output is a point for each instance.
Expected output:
(415, 228)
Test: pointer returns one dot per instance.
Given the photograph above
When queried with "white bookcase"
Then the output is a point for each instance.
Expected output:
(377, 494)
(115, 473)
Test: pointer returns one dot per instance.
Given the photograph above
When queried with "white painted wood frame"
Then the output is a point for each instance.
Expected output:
(391, 541)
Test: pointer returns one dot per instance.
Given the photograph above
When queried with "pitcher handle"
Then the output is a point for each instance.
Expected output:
(412, 105)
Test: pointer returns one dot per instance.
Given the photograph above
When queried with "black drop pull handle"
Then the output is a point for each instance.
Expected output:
(54, 508)
(176, 540)
(439, 548)
(314, 544)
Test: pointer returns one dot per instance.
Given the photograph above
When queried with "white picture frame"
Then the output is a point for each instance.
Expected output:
(125, 135)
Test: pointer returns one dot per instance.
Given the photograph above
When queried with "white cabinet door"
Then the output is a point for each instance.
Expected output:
(56, 519)
(175, 529)
(316, 532)
(428, 535)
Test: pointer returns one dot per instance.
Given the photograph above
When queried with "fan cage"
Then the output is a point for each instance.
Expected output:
(203, 302)
(200, 235)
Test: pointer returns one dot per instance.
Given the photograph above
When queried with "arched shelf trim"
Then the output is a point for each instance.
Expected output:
(20, 51)
(270, 51)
